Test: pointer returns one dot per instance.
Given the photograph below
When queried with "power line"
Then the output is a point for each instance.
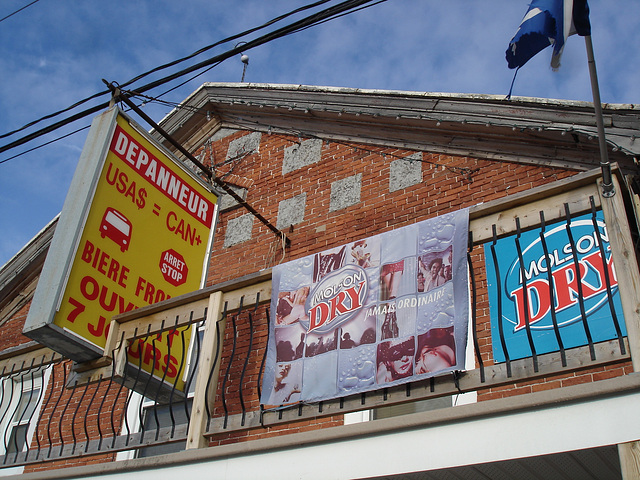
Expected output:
(44, 144)
(299, 25)
(19, 10)
(167, 65)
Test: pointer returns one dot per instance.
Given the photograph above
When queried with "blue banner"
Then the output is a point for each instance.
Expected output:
(556, 292)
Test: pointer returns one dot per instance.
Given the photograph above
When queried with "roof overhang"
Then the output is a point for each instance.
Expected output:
(529, 130)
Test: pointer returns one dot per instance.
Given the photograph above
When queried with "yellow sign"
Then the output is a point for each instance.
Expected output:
(145, 239)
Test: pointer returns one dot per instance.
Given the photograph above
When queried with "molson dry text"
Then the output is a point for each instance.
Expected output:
(570, 280)
(336, 299)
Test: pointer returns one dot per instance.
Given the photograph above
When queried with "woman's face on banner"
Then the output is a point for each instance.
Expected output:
(282, 372)
(402, 366)
(434, 359)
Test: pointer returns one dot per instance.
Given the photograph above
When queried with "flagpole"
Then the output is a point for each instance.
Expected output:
(605, 166)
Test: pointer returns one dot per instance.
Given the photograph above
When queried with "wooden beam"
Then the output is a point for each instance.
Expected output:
(629, 454)
(529, 214)
(208, 362)
(626, 266)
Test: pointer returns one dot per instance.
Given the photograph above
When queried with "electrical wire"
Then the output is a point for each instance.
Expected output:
(44, 144)
(317, 18)
(167, 65)
(18, 11)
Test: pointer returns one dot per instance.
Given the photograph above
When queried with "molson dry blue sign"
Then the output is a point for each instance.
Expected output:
(571, 281)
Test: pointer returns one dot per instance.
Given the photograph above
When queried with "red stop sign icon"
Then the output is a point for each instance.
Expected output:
(173, 267)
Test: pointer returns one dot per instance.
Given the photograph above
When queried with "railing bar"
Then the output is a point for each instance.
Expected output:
(2, 384)
(4, 438)
(153, 368)
(244, 369)
(264, 355)
(52, 383)
(42, 409)
(193, 368)
(474, 316)
(178, 374)
(75, 414)
(164, 374)
(503, 342)
(11, 389)
(64, 410)
(552, 289)
(55, 407)
(231, 357)
(106, 394)
(129, 394)
(208, 407)
(246, 360)
(578, 281)
(40, 395)
(607, 278)
(86, 416)
(142, 343)
(525, 295)
(22, 375)
(2, 389)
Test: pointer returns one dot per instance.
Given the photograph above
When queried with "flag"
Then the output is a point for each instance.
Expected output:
(548, 23)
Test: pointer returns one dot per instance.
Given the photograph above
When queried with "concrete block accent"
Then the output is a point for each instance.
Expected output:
(244, 145)
(222, 133)
(298, 156)
(405, 172)
(238, 230)
(227, 202)
(291, 211)
(345, 192)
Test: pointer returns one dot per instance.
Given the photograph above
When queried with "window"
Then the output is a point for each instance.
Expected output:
(21, 396)
(19, 425)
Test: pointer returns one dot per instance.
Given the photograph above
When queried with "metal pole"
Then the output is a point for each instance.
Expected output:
(607, 184)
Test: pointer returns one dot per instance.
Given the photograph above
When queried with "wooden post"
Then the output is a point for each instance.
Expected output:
(629, 454)
(626, 266)
(198, 422)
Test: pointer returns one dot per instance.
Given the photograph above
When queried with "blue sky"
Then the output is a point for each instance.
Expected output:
(55, 52)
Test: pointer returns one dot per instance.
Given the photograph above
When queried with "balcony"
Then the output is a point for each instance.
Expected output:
(90, 411)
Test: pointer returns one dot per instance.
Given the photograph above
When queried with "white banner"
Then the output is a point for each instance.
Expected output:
(382, 311)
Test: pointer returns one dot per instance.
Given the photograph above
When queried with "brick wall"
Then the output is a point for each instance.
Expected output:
(445, 187)
(12, 329)
(323, 194)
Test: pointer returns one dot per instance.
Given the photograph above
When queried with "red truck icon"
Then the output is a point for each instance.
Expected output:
(117, 227)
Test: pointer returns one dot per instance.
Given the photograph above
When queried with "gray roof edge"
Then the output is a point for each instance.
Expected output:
(410, 94)
(15, 264)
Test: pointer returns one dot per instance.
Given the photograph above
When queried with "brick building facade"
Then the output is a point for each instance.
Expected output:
(326, 167)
